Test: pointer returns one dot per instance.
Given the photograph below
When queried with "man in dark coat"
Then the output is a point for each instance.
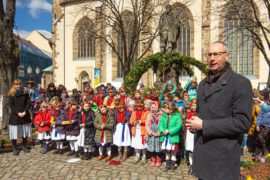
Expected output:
(223, 116)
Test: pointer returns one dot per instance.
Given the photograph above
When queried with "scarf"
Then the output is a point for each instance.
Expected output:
(120, 117)
(110, 100)
(154, 118)
(83, 117)
(123, 99)
(70, 113)
(103, 118)
(19, 91)
(213, 78)
(139, 114)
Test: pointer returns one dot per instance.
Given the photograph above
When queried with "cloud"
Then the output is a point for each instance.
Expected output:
(21, 33)
(19, 4)
(36, 6)
(45, 33)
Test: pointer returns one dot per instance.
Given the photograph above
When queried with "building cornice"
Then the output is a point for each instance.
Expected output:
(66, 2)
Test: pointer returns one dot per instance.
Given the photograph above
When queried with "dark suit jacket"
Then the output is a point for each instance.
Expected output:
(225, 109)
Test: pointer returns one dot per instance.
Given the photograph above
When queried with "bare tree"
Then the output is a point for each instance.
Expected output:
(128, 28)
(7, 56)
(254, 20)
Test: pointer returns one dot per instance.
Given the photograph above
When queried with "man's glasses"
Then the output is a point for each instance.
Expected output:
(215, 54)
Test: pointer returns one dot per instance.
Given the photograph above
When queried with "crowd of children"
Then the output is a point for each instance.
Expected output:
(150, 121)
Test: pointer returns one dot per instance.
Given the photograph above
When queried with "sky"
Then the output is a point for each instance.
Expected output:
(33, 15)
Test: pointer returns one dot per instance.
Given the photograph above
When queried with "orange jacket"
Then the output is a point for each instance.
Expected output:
(133, 120)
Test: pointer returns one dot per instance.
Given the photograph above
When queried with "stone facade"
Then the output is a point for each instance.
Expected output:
(205, 28)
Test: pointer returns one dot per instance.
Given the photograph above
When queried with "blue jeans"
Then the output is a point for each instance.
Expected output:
(244, 141)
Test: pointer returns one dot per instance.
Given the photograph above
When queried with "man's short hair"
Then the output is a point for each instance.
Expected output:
(223, 44)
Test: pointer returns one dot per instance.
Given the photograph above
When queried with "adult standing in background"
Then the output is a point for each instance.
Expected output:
(223, 116)
(19, 121)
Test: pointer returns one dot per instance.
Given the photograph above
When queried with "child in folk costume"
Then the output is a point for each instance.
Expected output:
(109, 100)
(137, 96)
(58, 133)
(104, 124)
(87, 132)
(137, 122)
(99, 98)
(43, 121)
(169, 127)
(121, 137)
(190, 136)
(72, 127)
(153, 143)
(124, 97)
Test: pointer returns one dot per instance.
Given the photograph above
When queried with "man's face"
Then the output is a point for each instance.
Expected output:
(217, 57)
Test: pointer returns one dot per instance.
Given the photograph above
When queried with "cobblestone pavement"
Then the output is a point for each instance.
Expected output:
(50, 166)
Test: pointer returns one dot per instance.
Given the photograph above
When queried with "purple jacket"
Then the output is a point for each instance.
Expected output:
(73, 129)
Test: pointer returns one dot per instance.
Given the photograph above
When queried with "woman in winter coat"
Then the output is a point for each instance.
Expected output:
(19, 121)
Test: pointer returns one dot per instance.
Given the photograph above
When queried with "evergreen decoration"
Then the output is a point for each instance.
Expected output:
(161, 62)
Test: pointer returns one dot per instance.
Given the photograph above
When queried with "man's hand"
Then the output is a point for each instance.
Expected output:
(21, 114)
(194, 124)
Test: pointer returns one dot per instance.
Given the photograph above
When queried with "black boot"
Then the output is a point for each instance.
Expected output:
(71, 153)
(45, 148)
(76, 154)
(57, 151)
(61, 151)
(14, 147)
(25, 146)
(173, 167)
(87, 156)
(168, 165)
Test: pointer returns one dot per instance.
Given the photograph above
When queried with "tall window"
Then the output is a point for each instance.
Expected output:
(239, 40)
(128, 23)
(183, 41)
(86, 40)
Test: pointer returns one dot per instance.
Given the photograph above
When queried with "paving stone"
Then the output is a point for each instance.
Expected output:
(51, 166)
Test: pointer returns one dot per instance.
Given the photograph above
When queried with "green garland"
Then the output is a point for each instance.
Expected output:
(164, 61)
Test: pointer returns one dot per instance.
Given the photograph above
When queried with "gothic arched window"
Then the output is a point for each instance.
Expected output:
(184, 39)
(85, 41)
(239, 39)
(128, 24)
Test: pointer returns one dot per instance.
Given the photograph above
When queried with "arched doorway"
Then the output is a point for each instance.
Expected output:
(83, 78)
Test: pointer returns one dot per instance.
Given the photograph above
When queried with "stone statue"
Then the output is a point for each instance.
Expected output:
(168, 30)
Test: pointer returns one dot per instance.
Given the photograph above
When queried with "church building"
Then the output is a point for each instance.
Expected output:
(78, 55)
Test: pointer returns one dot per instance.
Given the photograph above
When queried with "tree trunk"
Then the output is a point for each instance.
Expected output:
(8, 76)
(268, 79)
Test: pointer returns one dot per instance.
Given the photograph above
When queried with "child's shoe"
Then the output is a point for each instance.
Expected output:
(153, 161)
(108, 158)
(158, 162)
(100, 157)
